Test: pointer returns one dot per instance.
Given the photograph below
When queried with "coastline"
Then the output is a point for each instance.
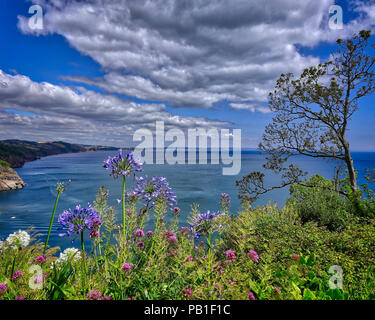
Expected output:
(10, 180)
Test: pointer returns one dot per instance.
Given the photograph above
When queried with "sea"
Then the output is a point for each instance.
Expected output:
(200, 184)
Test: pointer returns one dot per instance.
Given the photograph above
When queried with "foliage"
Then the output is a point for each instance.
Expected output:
(311, 117)
(316, 200)
(4, 164)
(262, 253)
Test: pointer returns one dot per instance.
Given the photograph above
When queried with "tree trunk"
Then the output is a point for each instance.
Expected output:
(350, 166)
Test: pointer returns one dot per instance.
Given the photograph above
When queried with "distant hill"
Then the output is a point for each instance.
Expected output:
(17, 152)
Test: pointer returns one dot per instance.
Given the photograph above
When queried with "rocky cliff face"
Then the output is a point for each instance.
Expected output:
(9, 179)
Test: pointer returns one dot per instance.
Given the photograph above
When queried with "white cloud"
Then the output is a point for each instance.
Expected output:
(250, 107)
(188, 53)
(194, 53)
(77, 111)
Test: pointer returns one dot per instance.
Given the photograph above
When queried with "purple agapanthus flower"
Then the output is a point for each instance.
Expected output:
(79, 219)
(121, 165)
(150, 190)
(202, 222)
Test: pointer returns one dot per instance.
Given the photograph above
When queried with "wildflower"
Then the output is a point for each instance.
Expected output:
(154, 189)
(122, 166)
(40, 259)
(251, 295)
(204, 223)
(139, 233)
(96, 222)
(230, 282)
(128, 212)
(168, 234)
(184, 229)
(18, 239)
(189, 258)
(16, 275)
(77, 220)
(94, 295)
(150, 233)
(187, 292)
(94, 234)
(176, 211)
(39, 279)
(69, 255)
(172, 240)
(230, 254)
(126, 267)
(225, 201)
(140, 244)
(131, 197)
(253, 256)
(295, 256)
(61, 187)
(107, 298)
(20, 298)
(3, 288)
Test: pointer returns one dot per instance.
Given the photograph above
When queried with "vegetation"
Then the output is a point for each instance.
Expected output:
(312, 114)
(17, 152)
(4, 164)
(315, 247)
(320, 245)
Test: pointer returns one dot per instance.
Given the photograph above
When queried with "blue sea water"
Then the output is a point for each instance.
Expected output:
(201, 184)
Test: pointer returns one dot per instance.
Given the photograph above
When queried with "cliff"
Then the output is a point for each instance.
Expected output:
(17, 152)
(9, 179)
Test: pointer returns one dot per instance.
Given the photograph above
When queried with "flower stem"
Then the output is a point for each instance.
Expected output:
(123, 205)
(51, 222)
(83, 261)
(82, 246)
(209, 252)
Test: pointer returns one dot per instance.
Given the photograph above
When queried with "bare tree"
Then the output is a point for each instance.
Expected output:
(312, 113)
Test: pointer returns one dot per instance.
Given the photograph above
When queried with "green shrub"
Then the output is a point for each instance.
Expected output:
(278, 235)
(4, 164)
(317, 202)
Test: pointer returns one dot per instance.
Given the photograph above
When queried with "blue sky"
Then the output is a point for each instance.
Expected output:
(157, 67)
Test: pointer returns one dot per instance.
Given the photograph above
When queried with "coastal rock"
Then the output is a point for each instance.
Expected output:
(9, 179)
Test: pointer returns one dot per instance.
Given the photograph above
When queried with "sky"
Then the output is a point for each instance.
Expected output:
(99, 70)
